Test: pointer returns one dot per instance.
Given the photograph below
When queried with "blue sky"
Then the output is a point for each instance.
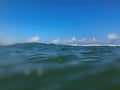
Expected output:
(47, 20)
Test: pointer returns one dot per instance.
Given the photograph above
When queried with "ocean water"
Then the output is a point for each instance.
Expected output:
(36, 66)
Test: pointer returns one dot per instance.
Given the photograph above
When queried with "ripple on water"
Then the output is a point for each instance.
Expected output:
(37, 66)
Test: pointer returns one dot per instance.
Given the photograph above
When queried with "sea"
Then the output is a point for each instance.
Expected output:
(37, 66)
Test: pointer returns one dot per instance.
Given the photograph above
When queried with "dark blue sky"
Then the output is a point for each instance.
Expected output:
(51, 19)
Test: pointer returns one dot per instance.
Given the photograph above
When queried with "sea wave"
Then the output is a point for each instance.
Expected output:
(34, 66)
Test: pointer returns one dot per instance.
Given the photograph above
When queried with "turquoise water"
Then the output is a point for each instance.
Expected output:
(36, 66)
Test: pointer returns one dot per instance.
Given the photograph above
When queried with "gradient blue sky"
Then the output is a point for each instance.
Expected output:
(51, 19)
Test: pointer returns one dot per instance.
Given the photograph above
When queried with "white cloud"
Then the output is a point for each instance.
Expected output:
(82, 40)
(73, 39)
(112, 36)
(56, 41)
(34, 39)
(94, 39)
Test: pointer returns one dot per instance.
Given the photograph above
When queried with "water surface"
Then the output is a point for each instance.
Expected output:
(36, 66)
